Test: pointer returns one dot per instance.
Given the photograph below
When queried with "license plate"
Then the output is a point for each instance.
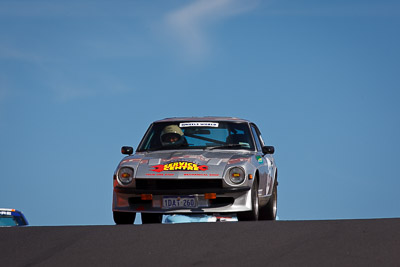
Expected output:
(171, 202)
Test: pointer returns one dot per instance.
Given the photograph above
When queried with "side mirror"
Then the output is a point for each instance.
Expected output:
(127, 150)
(268, 149)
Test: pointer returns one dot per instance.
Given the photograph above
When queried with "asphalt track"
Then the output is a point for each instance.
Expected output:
(262, 243)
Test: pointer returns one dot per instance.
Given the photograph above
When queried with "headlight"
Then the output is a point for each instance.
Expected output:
(236, 175)
(125, 175)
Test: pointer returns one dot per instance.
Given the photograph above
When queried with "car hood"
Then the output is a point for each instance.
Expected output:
(186, 164)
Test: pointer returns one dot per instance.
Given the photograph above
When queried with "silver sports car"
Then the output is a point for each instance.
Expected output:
(208, 165)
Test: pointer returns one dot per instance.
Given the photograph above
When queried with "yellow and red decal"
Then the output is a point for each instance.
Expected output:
(179, 166)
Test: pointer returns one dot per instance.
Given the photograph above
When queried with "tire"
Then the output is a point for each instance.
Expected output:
(124, 217)
(148, 218)
(268, 212)
(253, 214)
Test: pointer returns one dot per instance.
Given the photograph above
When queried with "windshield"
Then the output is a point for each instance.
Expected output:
(197, 135)
(11, 221)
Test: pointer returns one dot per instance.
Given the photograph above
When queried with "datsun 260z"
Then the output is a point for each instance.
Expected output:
(207, 165)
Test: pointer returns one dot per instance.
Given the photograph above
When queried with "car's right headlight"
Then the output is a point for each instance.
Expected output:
(236, 175)
(125, 175)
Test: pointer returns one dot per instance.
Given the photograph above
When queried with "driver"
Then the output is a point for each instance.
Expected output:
(172, 135)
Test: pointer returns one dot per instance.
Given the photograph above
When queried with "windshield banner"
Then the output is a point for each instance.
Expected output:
(199, 124)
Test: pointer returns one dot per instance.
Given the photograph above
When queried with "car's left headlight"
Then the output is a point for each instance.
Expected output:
(125, 175)
(236, 175)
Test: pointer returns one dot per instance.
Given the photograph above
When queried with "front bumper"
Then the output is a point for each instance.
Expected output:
(235, 199)
(125, 190)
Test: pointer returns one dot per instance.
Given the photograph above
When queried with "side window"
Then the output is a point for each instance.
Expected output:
(260, 136)
(257, 139)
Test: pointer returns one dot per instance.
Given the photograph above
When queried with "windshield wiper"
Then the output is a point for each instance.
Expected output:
(171, 147)
(225, 146)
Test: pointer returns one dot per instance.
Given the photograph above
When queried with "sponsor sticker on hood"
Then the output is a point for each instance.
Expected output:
(179, 166)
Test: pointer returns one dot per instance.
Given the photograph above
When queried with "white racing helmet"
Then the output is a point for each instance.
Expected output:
(171, 135)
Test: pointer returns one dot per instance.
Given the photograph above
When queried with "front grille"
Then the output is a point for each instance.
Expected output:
(166, 184)
(222, 201)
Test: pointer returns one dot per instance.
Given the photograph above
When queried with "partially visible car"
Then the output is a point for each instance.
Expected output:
(12, 217)
(194, 218)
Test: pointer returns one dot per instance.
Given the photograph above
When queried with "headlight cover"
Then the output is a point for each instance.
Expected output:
(236, 175)
(125, 175)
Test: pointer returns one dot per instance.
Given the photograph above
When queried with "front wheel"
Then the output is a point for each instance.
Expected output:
(269, 211)
(251, 215)
(148, 218)
(124, 217)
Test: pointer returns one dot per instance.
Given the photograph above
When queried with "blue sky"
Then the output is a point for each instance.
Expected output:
(80, 79)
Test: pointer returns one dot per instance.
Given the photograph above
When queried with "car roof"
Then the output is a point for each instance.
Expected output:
(211, 118)
(11, 210)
